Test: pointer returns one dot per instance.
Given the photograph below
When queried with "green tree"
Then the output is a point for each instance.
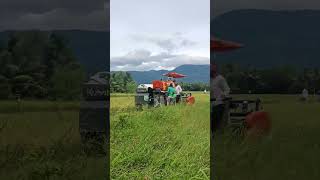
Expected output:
(32, 59)
(122, 82)
(66, 83)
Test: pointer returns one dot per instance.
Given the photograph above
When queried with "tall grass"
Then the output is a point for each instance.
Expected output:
(162, 143)
(292, 152)
(37, 106)
(42, 142)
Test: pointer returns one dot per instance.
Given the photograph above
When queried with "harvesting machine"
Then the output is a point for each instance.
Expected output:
(155, 94)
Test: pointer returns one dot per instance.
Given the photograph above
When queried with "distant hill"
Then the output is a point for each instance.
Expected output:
(195, 73)
(271, 38)
(90, 47)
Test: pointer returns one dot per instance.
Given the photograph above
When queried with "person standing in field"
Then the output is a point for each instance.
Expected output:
(219, 90)
(171, 94)
(178, 91)
(305, 94)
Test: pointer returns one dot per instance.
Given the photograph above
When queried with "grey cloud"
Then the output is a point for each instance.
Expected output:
(138, 57)
(142, 60)
(42, 6)
(54, 14)
(171, 30)
(132, 58)
(166, 44)
(186, 43)
(221, 6)
(169, 44)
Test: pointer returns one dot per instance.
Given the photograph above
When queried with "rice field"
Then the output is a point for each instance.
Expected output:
(292, 152)
(40, 140)
(170, 142)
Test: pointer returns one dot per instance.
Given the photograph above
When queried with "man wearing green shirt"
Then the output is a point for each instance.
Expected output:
(171, 94)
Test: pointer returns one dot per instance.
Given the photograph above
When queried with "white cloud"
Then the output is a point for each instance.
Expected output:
(170, 54)
(169, 43)
(143, 60)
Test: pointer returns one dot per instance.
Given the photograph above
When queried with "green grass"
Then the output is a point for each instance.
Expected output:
(292, 152)
(37, 106)
(42, 141)
(162, 143)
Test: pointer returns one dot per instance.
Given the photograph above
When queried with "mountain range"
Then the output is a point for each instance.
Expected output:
(195, 73)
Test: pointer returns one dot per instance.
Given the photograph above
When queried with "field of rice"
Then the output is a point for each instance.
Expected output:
(292, 152)
(40, 140)
(170, 142)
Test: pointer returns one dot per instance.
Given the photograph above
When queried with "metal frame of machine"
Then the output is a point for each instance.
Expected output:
(236, 112)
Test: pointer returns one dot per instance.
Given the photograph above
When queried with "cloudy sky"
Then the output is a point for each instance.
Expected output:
(150, 34)
(222, 6)
(53, 14)
(145, 34)
(85, 14)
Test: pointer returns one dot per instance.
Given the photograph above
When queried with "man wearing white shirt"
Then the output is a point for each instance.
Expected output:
(219, 90)
(178, 91)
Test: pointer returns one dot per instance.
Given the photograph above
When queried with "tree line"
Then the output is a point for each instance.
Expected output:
(195, 86)
(277, 80)
(122, 82)
(38, 64)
